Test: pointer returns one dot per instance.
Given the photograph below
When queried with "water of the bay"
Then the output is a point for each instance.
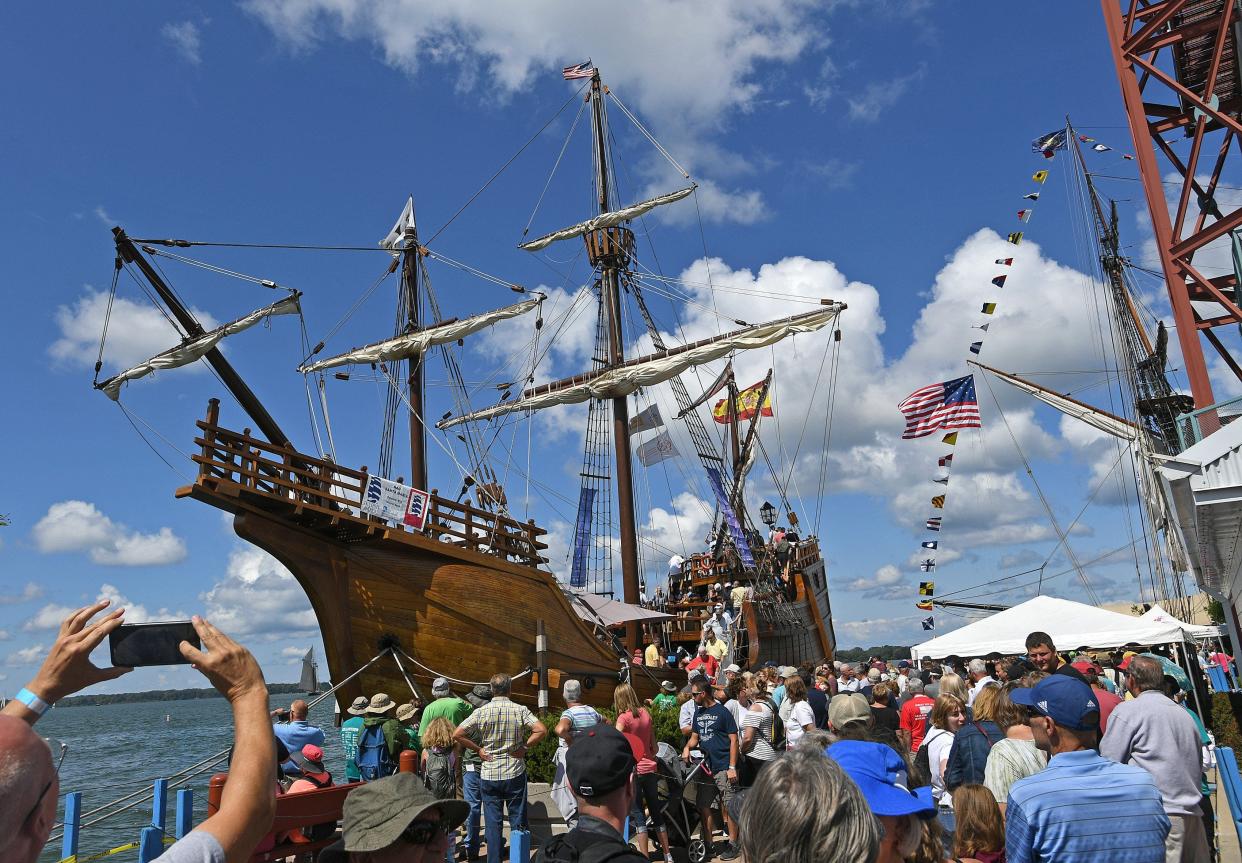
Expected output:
(116, 749)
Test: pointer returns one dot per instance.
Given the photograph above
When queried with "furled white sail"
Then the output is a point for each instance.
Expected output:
(606, 220)
(659, 367)
(405, 222)
(413, 344)
(193, 349)
(1102, 420)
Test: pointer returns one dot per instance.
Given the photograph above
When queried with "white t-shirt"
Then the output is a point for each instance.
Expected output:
(196, 846)
(800, 715)
(738, 711)
(685, 716)
(938, 744)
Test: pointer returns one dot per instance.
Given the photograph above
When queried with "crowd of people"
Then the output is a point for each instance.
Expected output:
(996, 758)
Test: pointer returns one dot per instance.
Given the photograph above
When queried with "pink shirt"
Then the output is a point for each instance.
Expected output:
(640, 727)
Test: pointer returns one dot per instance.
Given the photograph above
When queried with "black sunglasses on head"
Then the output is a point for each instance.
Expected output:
(422, 832)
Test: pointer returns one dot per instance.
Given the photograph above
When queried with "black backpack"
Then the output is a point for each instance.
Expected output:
(778, 725)
(581, 847)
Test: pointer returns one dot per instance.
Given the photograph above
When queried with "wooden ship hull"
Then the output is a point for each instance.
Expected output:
(461, 598)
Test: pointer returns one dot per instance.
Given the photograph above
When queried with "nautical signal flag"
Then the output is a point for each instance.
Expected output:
(1100, 148)
(950, 438)
(927, 588)
(1016, 238)
(1127, 156)
(983, 327)
(946, 405)
(938, 502)
(988, 308)
(1024, 215)
(975, 347)
(1086, 139)
(1032, 196)
(747, 404)
(941, 480)
(999, 281)
(945, 460)
(932, 544)
(928, 565)
(929, 624)
(933, 523)
(1039, 176)
(1005, 262)
(1050, 143)
(924, 604)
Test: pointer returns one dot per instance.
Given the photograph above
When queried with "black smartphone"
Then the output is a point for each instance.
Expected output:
(135, 644)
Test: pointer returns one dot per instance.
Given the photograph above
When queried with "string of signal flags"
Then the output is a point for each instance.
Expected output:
(949, 406)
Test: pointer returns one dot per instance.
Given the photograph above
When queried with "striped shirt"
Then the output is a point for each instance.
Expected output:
(759, 717)
(1069, 812)
(1008, 761)
(502, 725)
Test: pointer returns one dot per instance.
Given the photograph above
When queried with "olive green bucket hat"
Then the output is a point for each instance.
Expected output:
(377, 813)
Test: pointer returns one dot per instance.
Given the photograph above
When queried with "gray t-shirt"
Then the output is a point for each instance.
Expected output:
(197, 846)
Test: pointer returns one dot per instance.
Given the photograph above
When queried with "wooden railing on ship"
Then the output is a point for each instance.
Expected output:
(322, 486)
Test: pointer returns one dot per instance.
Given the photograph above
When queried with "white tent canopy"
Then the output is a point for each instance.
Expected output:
(1158, 614)
(1070, 624)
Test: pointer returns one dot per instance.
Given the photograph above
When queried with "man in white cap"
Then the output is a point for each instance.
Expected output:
(351, 730)
(731, 672)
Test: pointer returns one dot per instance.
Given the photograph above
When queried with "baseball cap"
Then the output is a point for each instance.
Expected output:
(377, 813)
(600, 761)
(440, 686)
(1086, 666)
(903, 663)
(786, 671)
(873, 675)
(880, 775)
(359, 706)
(1063, 699)
(848, 707)
(734, 667)
(312, 761)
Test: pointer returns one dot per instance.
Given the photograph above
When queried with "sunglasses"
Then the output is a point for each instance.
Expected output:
(422, 832)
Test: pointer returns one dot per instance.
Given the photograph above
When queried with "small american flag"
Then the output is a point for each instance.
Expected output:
(581, 70)
(946, 405)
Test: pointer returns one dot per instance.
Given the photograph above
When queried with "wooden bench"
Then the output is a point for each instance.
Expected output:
(304, 809)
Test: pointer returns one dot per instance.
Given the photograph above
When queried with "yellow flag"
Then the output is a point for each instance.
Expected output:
(950, 438)
(938, 501)
(1039, 176)
(927, 588)
(989, 308)
(1015, 237)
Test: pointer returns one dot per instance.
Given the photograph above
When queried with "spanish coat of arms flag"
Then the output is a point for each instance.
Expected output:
(747, 404)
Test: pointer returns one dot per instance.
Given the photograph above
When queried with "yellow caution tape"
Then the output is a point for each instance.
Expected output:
(128, 846)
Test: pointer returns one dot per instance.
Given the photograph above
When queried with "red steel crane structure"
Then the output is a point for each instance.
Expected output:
(1178, 65)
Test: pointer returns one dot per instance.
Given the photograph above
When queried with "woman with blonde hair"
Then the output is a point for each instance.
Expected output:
(634, 722)
(1015, 757)
(980, 833)
(948, 715)
(952, 684)
(977, 737)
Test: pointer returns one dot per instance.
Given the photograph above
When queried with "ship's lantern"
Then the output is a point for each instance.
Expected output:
(767, 512)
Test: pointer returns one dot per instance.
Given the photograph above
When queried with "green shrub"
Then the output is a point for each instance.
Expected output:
(1224, 720)
(539, 760)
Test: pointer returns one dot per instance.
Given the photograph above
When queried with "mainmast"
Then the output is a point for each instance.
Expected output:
(610, 249)
(410, 262)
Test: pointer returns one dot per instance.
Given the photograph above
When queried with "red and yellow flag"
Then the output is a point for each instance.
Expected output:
(747, 404)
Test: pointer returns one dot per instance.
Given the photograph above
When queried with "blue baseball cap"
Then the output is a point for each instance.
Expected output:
(880, 773)
(1063, 699)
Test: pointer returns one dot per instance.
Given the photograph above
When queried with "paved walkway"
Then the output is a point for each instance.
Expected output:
(1226, 834)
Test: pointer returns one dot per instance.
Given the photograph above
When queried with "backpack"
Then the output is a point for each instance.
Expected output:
(576, 847)
(373, 759)
(778, 724)
(439, 778)
(922, 759)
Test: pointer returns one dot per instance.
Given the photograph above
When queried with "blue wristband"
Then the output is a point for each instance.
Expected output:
(33, 702)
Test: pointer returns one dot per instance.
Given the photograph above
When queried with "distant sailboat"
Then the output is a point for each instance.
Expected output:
(310, 674)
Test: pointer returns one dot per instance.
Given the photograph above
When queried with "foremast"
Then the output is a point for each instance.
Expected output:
(409, 283)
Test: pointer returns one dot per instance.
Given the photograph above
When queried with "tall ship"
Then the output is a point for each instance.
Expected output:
(409, 581)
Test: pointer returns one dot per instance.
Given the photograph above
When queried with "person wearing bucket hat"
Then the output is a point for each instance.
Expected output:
(395, 819)
(407, 716)
(382, 740)
(599, 767)
(667, 696)
(881, 776)
(1055, 814)
(351, 730)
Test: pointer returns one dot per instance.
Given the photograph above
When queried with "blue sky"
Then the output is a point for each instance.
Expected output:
(872, 152)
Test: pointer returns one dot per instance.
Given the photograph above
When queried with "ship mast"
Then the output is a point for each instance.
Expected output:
(610, 247)
(410, 262)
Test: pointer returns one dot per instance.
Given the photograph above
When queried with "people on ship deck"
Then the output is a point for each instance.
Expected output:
(296, 733)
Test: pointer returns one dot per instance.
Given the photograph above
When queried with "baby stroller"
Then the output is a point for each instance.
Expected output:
(678, 785)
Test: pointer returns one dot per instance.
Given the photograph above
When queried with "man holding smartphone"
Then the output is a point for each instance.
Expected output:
(28, 777)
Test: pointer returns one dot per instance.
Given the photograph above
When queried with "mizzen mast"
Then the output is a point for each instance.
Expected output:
(409, 283)
(610, 248)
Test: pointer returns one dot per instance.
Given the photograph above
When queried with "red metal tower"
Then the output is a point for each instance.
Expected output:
(1178, 65)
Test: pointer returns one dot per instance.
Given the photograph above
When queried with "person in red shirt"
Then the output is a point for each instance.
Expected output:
(914, 712)
(705, 661)
(1103, 697)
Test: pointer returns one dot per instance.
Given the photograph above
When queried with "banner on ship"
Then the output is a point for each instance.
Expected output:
(393, 501)
(735, 529)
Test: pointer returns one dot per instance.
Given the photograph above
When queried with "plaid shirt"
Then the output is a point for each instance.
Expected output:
(501, 725)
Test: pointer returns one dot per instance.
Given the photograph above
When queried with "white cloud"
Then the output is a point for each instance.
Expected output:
(5, 635)
(258, 596)
(52, 615)
(876, 98)
(28, 593)
(79, 526)
(292, 655)
(185, 39)
(888, 582)
(701, 63)
(135, 331)
(26, 656)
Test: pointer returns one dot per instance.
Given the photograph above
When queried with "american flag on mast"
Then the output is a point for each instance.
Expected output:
(581, 70)
(946, 405)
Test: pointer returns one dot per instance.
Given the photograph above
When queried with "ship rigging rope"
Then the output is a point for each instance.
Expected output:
(1040, 492)
(565, 146)
(103, 336)
(130, 416)
(648, 135)
(453, 679)
(265, 283)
